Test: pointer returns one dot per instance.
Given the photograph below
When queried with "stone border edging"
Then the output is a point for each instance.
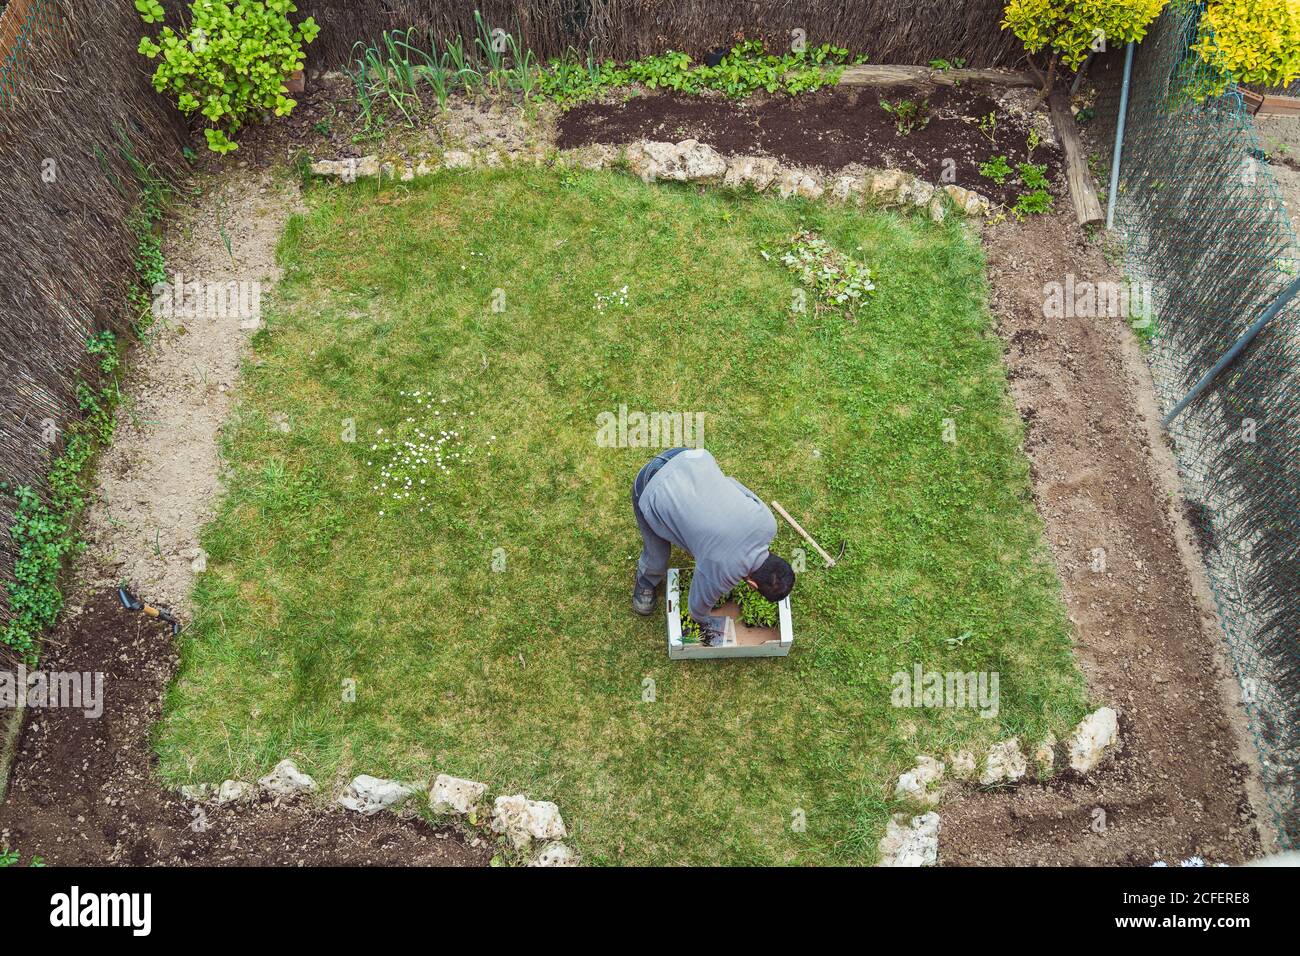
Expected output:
(518, 819)
(911, 841)
(696, 162)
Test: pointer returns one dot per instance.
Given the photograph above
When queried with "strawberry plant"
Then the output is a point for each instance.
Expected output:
(909, 115)
(746, 69)
(231, 63)
(692, 633)
(996, 169)
(1036, 199)
(837, 279)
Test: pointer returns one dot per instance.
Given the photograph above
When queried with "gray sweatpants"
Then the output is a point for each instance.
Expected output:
(652, 566)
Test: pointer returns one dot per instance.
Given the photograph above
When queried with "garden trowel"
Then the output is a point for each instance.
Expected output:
(133, 603)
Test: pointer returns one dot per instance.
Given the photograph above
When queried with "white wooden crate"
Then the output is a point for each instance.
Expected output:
(748, 642)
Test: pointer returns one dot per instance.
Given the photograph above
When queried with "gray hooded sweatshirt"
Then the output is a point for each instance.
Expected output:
(723, 524)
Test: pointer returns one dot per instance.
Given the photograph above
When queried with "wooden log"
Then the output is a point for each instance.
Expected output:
(1087, 207)
(873, 75)
(885, 75)
(1000, 77)
(1269, 104)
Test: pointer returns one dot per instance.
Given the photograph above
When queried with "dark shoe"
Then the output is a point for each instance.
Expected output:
(643, 600)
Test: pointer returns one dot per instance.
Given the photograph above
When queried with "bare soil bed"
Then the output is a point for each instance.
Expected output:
(82, 791)
(830, 129)
(1181, 785)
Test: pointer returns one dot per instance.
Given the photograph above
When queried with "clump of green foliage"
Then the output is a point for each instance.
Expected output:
(1035, 199)
(996, 169)
(988, 126)
(909, 115)
(755, 610)
(838, 280)
(692, 633)
(746, 69)
(10, 858)
(42, 530)
(231, 63)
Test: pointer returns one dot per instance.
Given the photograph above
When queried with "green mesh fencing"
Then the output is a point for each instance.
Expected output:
(21, 28)
(1203, 223)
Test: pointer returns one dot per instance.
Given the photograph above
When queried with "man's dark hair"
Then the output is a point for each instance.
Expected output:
(774, 577)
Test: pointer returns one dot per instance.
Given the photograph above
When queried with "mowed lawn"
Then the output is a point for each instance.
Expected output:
(481, 625)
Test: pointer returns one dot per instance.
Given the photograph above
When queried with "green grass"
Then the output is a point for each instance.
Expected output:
(531, 678)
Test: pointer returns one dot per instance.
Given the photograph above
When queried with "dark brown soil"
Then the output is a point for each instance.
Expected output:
(82, 791)
(1180, 785)
(831, 128)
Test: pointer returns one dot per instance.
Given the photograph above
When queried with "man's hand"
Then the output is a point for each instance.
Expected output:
(713, 629)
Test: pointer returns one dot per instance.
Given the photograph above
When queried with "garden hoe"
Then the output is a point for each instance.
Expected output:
(133, 603)
(830, 562)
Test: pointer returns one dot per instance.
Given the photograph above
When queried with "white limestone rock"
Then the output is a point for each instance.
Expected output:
(968, 201)
(455, 795)
(910, 843)
(235, 791)
(756, 171)
(885, 186)
(920, 784)
(1096, 734)
(523, 820)
(963, 765)
(797, 182)
(286, 780)
(368, 795)
(555, 854)
(687, 161)
(846, 188)
(347, 169)
(1006, 763)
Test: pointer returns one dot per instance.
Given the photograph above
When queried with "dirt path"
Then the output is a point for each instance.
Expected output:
(1181, 785)
(159, 480)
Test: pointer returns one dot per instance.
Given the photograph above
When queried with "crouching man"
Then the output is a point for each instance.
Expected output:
(682, 497)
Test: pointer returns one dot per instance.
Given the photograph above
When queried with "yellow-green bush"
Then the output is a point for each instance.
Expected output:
(1071, 29)
(1251, 41)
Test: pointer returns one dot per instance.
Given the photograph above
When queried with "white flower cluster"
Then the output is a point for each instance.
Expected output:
(426, 445)
(606, 299)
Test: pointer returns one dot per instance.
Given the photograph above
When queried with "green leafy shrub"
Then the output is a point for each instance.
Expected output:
(996, 169)
(746, 69)
(909, 115)
(1250, 41)
(231, 64)
(1071, 29)
(1036, 199)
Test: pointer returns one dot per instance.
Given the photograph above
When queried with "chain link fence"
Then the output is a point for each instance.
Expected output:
(1204, 227)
